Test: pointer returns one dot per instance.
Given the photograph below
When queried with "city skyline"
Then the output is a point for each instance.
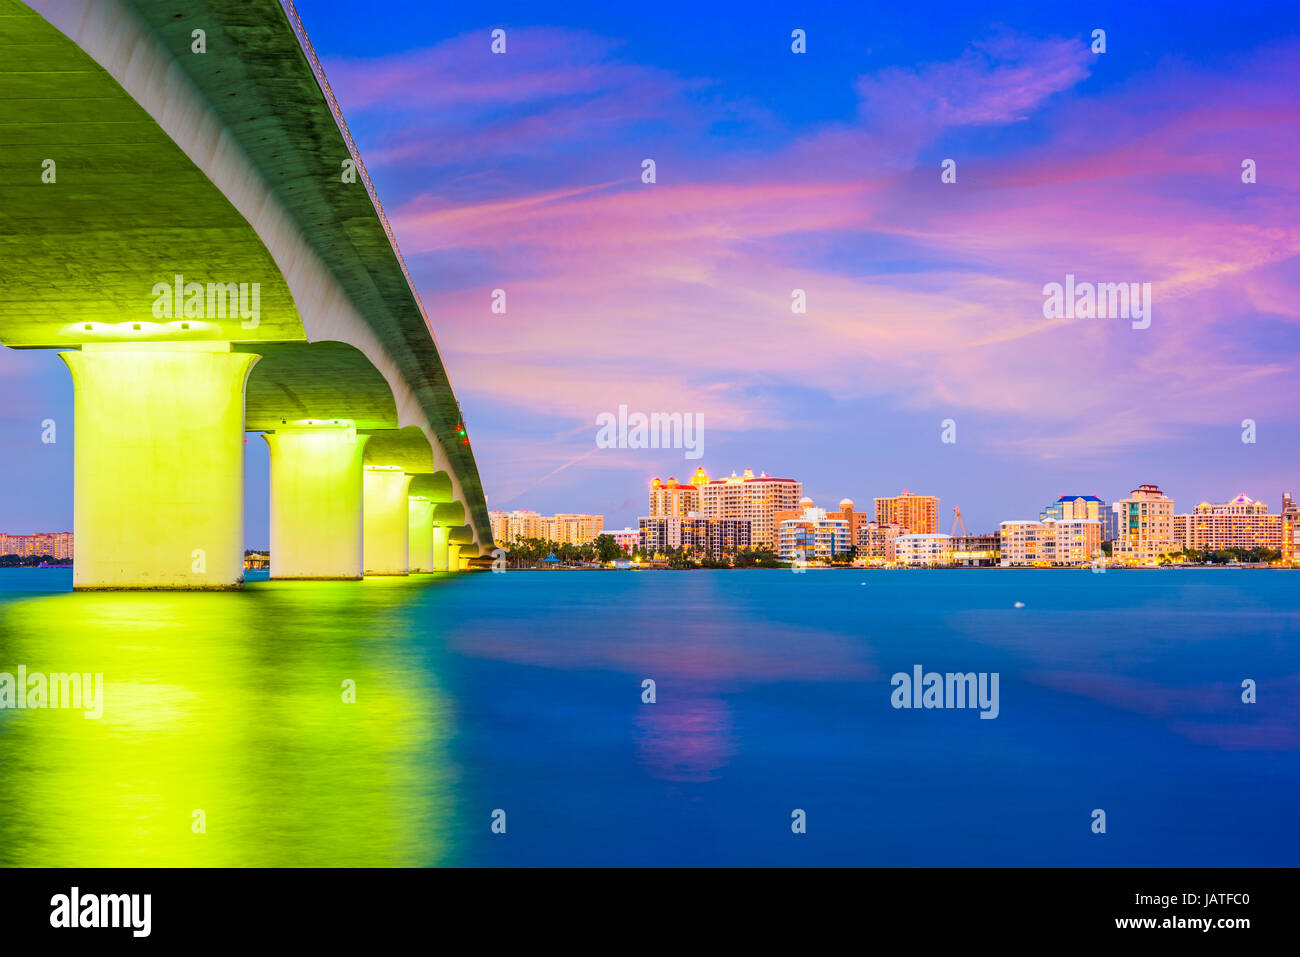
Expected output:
(821, 172)
(13, 527)
(1234, 506)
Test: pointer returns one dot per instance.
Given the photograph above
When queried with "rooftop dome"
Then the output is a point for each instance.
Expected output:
(846, 501)
(805, 502)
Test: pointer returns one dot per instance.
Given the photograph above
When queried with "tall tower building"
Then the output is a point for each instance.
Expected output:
(1240, 522)
(1146, 526)
(673, 498)
(756, 498)
(919, 514)
(1290, 528)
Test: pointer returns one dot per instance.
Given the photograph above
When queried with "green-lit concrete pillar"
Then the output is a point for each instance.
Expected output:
(316, 500)
(439, 549)
(158, 473)
(446, 516)
(387, 519)
(457, 537)
(420, 534)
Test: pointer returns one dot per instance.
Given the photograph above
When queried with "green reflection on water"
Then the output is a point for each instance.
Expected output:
(229, 702)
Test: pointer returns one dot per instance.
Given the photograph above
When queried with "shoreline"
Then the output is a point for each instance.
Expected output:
(926, 568)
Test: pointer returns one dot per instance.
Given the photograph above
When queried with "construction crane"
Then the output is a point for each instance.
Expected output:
(958, 520)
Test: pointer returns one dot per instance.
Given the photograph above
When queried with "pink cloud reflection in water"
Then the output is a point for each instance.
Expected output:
(687, 740)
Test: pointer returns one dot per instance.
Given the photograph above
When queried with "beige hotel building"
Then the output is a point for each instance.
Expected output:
(753, 498)
(674, 498)
(1071, 541)
(564, 528)
(1239, 523)
(58, 545)
(1145, 527)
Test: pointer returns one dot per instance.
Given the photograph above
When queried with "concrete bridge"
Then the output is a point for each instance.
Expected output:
(183, 211)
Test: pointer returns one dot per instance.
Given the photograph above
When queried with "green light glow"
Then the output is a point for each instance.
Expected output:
(229, 702)
(158, 470)
(387, 520)
(316, 500)
(420, 534)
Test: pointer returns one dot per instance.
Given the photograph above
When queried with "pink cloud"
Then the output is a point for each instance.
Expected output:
(676, 295)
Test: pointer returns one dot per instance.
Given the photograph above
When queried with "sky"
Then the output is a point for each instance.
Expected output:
(821, 171)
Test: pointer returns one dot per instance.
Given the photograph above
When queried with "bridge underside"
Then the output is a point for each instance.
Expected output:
(184, 325)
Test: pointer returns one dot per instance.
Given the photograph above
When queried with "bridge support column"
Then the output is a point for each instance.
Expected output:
(420, 534)
(387, 520)
(316, 499)
(453, 558)
(439, 549)
(158, 473)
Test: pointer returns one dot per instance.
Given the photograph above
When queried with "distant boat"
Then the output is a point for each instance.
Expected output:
(55, 565)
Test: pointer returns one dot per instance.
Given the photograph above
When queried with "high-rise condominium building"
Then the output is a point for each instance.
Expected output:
(919, 514)
(1071, 541)
(55, 544)
(500, 522)
(1146, 527)
(754, 498)
(1084, 506)
(853, 520)
(876, 542)
(510, 527)
(1241, 522)
(718, 537)
(1290, 528)
(1075, 506)
(565, 528)
(812, 534)
(674, 498)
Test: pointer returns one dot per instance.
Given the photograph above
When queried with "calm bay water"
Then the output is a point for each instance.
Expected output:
(522, 692)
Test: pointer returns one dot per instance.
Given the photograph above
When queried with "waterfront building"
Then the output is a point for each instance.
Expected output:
(500, 522)
(697, 533)
(674, 498)
(976, 550)
(1290, 527)
(563, 528)
(567, 528)
(1078, 542)
(1240, 522)
(1146, 527)
(1071, 542)
(1074, 506)
(1109, 524)
(923, 550)
(919, 514)
(55, 544)
(626, 538)
(1084, 506)
(876, 542)
(812, 534)
(855, 519)
(510, 527)
(753, 498)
